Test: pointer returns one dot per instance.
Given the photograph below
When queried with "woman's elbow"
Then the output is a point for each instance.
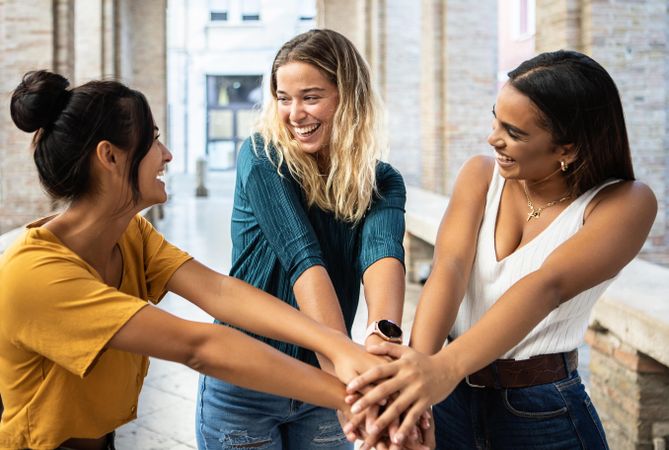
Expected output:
(203, 350)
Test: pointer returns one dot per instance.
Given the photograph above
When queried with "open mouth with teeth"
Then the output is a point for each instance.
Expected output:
(161, 176)
(306, 131)
(505, 159)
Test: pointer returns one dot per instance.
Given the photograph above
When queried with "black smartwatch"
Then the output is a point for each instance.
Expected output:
(386, 330)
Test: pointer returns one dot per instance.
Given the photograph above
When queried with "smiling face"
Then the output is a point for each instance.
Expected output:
(151, 173)
(307, 102)
(524, 150)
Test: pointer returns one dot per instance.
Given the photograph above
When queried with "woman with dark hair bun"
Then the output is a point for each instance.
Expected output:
(77, 325)
(532, 237)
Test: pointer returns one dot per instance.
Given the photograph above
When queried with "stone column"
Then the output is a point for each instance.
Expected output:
(401, 86)
(387, 33)
(88, 41)
(142, 52)
(459, 66)
(110, 26)
(345, 16)
(432, 95)
(630, 39)
(558, 25)
(64, 38)
(26, 43)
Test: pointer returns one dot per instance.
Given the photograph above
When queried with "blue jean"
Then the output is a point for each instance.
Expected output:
(551, 416)
(229, 416)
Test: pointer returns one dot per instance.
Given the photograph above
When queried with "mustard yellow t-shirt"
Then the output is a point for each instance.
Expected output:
(57, 380)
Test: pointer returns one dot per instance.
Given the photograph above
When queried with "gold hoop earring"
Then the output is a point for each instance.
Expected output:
(564, 166)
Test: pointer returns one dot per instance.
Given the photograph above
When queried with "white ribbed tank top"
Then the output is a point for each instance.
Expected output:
(563, 329)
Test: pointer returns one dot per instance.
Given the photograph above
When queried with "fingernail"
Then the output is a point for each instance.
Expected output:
(355, 409)
(373, 429)
(352, 386)
(347, 428)
(398, 438)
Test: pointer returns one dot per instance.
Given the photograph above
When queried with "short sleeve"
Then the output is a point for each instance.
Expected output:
(161, 259)
(277, 207)
(54, 306)
(384, 225)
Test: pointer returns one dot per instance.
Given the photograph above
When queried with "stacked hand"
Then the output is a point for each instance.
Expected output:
(392, 399)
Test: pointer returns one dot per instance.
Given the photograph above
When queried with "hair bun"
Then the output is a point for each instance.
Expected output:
(39, 99)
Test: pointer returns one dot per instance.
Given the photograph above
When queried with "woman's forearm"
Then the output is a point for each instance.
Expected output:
(227, 354)
(384, 286)
(509, 320)
(244, 361)
(236, 302)
(438, 307)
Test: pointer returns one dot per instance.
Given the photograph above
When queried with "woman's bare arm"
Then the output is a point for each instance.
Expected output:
(228, 354)
(613, 234)
(236, 302)
(453, 257)
(384, 286)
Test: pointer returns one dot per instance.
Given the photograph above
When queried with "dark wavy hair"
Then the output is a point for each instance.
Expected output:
(579, 104)
(69, 124)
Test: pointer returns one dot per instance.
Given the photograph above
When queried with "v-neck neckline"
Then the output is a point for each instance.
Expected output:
(528, 243)
(39, 227)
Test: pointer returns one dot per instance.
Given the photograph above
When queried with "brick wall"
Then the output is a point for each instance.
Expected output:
(432, 113)
(26, 43)
(345, 16)
(82, 39)
(388, 34)
(458, 88)
(558, 24)
(142, 53)
(630, 391)
(630, 40)
(401, 86)
(471, 81)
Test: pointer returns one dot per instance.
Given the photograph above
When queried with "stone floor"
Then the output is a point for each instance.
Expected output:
(201, 226)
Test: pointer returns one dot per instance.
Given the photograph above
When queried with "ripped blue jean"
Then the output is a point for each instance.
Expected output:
(232, 417)
(552, 416)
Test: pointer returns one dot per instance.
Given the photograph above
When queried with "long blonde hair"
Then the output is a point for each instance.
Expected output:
(355, 144)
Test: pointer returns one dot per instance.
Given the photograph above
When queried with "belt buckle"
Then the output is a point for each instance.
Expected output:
(473, 385)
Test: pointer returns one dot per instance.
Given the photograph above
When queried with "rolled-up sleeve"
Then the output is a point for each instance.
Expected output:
(384, 225)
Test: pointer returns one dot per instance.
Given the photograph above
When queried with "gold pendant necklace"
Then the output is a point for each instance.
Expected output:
(535, 212)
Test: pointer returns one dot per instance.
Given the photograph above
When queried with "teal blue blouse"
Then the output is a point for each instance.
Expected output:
(276, 237)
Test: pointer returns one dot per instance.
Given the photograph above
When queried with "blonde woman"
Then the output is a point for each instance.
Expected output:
(315, 213)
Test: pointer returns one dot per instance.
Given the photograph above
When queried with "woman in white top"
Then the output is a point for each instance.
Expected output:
(531, 238)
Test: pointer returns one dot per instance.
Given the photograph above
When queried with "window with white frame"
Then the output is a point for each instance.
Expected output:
(250, 10)
(307, 11)
(219, 10)
(523, 19)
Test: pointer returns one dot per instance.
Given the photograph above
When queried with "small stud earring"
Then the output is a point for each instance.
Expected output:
(564, 166)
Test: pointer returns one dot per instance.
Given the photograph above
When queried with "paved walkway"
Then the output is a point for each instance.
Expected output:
(201, 226)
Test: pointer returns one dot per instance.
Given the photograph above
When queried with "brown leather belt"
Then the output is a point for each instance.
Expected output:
(511, 373)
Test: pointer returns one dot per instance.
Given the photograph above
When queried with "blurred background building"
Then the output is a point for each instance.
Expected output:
(218, 55)
(204, 65)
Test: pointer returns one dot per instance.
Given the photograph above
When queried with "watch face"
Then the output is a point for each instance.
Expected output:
(390, 329)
